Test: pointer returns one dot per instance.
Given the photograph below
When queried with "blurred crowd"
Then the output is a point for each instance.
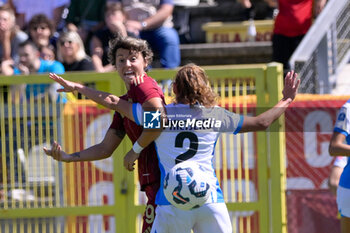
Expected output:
(75, 33)
(38, 36)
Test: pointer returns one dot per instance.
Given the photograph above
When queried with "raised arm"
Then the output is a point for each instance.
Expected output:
(5, 41)
(96, 57)
(264, 120)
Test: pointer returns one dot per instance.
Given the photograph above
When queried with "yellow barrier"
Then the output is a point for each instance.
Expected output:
(42, 195)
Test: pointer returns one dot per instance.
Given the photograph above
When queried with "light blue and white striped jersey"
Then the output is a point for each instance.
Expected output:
(342, 125)
(190, 133)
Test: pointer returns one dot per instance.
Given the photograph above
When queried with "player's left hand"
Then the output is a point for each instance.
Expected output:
(291, 85)
(68, 86)
(129, 160)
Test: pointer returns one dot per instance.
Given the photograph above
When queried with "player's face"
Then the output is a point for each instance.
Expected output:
(129, 65)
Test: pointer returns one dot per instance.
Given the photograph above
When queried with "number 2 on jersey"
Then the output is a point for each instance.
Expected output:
(179, 142)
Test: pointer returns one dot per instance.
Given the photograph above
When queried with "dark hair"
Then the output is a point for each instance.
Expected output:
(192, 86)
(129, 43)
(113, 6)
(28, 42)
(41, 19)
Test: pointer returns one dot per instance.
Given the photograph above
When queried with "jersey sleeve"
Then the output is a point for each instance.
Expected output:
(117, 122)
(342, 124)
(230, 121)
(146, 90)
(137, 112)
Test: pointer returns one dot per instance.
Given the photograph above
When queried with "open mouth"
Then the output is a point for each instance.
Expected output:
(129, 74)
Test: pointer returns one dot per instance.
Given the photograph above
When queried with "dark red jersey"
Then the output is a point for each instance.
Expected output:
(148, 162)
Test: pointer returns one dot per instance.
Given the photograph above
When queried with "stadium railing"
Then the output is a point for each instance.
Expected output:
(324, 50)
(38, 194)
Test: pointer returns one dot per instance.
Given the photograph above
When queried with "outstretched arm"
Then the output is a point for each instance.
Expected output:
(99, 151)
(115, 103)
(106, 99)
(264, 120)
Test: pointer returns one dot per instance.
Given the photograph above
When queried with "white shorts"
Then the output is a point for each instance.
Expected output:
(212, 217)
(343, 201)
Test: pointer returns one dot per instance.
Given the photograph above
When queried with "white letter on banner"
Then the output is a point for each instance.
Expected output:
(324, 120)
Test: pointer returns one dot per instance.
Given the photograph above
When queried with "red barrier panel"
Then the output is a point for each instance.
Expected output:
(309, 127)
(312, 211)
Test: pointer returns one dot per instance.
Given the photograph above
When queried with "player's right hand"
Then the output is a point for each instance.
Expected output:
(56, 152)
(129, 160)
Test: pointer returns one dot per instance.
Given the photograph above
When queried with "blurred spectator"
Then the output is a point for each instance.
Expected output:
(259, 9)
(152, 21)
(41, 31)
(26, 9)
(181, 18)
(248, 7)
(272, 9)
(114, 19)
(48, 53)
(71, 52)
(336, 170)
(85, 17)
(10, 36)
(31, 63)
(291, 24)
